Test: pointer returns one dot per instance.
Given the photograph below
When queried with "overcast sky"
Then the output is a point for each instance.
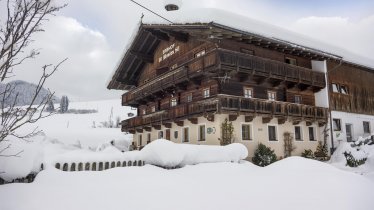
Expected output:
(92, 34)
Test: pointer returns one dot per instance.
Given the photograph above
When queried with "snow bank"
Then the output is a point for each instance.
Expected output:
(165, 153)
(211, 186)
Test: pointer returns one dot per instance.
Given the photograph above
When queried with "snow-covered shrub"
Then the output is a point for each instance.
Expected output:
(264, 156)
(308, 153)
(321, 152)
(352, 161)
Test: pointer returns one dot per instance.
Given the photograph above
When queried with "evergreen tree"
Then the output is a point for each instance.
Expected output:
(64, 104)
(264, 156)
(321, 151)
(227, 133)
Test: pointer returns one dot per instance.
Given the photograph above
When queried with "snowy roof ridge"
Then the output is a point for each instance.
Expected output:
(250, 25)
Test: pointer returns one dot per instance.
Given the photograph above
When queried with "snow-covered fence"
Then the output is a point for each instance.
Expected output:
(97, 165)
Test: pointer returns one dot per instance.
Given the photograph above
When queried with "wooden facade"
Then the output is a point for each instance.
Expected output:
(174, 75)
(351, 88)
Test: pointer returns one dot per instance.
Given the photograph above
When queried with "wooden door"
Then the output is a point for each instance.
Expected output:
(167, 135)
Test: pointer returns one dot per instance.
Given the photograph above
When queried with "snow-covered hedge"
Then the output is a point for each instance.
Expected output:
(165, 153)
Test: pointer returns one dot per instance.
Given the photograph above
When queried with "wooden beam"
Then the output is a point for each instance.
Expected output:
(210, 117)
(142, 56)
(248, 118)
(233, 117)
(167, 125)
(180, 36)
(160, 35)
(148, 128)
(267, 119)
(157, 127)
(193, 120)
(179, 123)
(282, 120)
(139, 130)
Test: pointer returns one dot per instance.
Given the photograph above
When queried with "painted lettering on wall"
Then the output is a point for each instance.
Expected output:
(169, 51)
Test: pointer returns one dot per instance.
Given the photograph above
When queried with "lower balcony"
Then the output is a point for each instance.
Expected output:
(234, 106)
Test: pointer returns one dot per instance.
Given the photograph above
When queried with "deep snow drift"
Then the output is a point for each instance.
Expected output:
(292, 183)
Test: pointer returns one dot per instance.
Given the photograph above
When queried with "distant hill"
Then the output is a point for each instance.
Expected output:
(25, 92)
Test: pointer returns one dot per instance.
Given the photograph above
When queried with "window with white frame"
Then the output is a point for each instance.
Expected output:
(298, 133)
(336, 124)
(272, 132)
(206, 93)
(140, 138)
(201, 133)
(248, 92)
(340, 88)
(173, 102)
(312, 134)
(153, 108)
(186, 134)
(366, 125)
(272, 95)
(160, 134)
(189, 97)
(298, 99)
(246, 132)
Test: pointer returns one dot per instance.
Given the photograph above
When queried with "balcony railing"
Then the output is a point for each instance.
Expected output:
(224, 59)
(228, 104)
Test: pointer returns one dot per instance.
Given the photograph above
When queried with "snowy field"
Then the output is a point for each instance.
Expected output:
(210, 177)
(292, 183)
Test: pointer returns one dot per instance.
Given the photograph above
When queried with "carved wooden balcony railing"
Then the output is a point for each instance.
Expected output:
(232, 105)
(224, 60)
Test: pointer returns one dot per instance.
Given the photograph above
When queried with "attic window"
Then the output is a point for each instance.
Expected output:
(337, 88)
(200, 53)
(291, 61)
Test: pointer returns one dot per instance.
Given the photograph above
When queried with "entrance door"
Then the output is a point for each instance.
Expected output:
(349, 132)
(167, 135)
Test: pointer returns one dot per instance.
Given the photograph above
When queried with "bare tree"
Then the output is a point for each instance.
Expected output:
(23, 19)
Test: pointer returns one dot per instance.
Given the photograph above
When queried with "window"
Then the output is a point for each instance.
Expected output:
(311, 134)
(291, 61)
(201, 132)
(148, 138)
(160, 134)
(186, 135)
(272, 96)
(343, 89)
(173, 102)
(143, 112)
(297, 99)
(298, 134)
(199, 54)
(140, 140)
(246, 132)
(153, 108)
(248, 92)
(338, 88)
(247, 51)
(175, 134)
(206, 93)
(336, 124)
(366, 125)
(189, 97)
(272, 131)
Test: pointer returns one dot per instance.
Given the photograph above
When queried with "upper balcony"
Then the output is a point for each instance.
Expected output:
(233, 106)
(220, 60)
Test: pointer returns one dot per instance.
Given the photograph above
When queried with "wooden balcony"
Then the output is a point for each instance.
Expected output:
(218, 61)
(233, 106)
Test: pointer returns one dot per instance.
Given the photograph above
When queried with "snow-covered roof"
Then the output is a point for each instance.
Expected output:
(241, 24)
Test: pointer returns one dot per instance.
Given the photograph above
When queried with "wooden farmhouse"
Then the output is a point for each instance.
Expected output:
(210, 82)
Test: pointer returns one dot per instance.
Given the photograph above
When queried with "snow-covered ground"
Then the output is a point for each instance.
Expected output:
(292, 183)
(67, 135)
